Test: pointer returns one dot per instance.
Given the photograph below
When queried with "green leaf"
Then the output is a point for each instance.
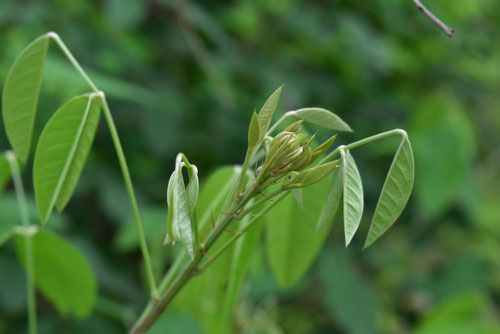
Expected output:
(291, 237)
(267, 111)
(253, 131)
(353, 197)
(395, 192)
(309, 176)
(242, 253)
(62, 273)
(20, 95)
(322, 148)
(181, 205)
(62, 150)
(321, 117)
(297, 194)
(4, 172)
(331, 206)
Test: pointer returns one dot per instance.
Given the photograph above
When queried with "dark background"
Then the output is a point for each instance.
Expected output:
(184, 76)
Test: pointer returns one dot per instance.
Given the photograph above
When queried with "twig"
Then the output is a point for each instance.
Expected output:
(447, 30)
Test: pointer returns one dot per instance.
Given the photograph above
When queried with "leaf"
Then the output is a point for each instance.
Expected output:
(321, 117)
(62, 150)
(181, 205)
(353, 197)
(20, 95)
(331, 206)
(267, 111)
(310, 176)
(322, 148)
(4, 172)
(241, 255)
(395, 192)
(62, 273)
(253, 131)
(292, 241)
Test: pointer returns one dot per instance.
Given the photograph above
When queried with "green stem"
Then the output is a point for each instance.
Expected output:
(154, 309)
(30, 266)
(133, 201)
(233, 239)
(122, 161)
(363, 142)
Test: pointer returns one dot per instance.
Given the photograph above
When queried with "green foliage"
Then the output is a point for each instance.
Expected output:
(395, 193)
(353, 196)
(20, 95)
(292, 240)
(321, 117)
(62, 273)
(254, 131)
(267, 111)
(62, 150)
(4, 172)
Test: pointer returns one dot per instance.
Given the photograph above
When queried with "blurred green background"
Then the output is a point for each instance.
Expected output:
(185, 76)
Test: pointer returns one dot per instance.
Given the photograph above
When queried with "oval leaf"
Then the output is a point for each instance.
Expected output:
(353, 197)
(20, 95)
(322, 117)
(62, 273)
(395, 192)
(62, 150)
(310, 176)
(267, 111)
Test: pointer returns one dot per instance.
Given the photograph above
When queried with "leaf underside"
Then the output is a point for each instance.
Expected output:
(353, 197)
(323, 118)
(395, 192)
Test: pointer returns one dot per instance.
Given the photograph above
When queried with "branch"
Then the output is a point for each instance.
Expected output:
(447, 30)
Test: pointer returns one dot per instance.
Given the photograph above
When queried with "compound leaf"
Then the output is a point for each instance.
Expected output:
(62, 150)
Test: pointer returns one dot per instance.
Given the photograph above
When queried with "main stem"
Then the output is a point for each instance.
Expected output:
(122, 161)
(154, 309)
(28, 245)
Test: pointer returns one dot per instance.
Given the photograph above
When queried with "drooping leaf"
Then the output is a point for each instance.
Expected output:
(20, 95)
(4, 172)
(321, 117)
(181, 206)
(267, 111)
(62, 273)
(254, 131)
(62, 150)
(292, 241)
(333, 198)
(395, 192)
(353, 197)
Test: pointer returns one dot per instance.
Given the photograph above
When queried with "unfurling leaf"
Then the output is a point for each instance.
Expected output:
(62, 273)
(267, 111)
(181, 200)
(395, 192)
(321, 117)
(253, 131)
(20, 95)
(309, 176)
(353, 197)
(62, 151)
